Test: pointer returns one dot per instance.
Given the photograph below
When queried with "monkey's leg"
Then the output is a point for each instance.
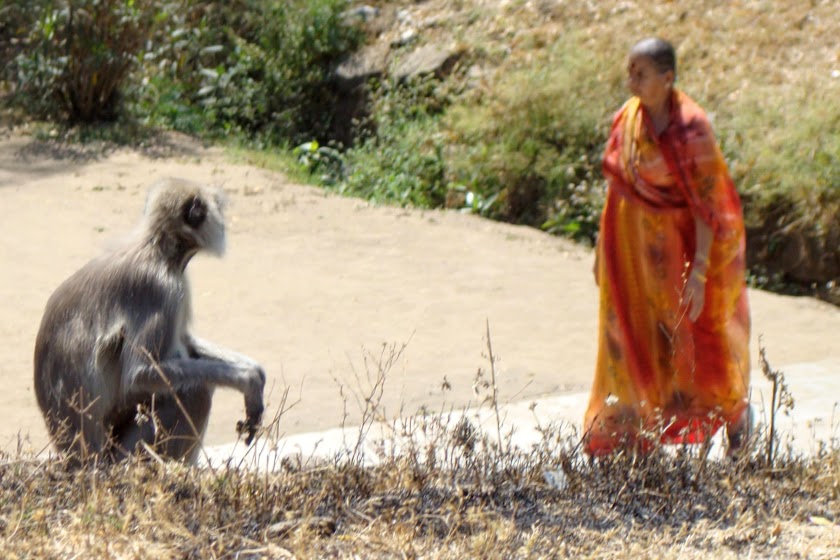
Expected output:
(129, 430)
(180, 437)
(79, 442)
(76, 427)
(167, 430)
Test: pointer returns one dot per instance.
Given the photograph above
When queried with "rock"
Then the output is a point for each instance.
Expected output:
(350, 79)
(361, 13)
(428, 59)
(803, 257)
(369, 62)
(809, 258)
(406, 37)
(404, 17)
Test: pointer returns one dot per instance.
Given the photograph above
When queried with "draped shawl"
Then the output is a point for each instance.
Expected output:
(660, 376)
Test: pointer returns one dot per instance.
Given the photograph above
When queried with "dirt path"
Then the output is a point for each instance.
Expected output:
(312, 283)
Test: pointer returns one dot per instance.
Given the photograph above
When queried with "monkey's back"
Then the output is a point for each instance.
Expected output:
(79, 350)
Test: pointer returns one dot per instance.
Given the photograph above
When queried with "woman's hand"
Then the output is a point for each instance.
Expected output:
(695, 292)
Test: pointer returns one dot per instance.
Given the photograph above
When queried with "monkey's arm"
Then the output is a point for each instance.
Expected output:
(200, 348)
(151, 361)
(176, 373)
(146, 373)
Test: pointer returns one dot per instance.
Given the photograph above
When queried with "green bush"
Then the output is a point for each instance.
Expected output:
(76, 57)
(778, 154)
(254, 68)
(531, 152)
(16, 18)
(402, 160)
(787, 166)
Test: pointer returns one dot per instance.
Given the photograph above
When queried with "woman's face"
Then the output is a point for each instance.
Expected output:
(647, 83)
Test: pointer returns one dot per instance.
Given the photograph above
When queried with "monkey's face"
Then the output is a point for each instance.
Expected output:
(203, 218)
(191, 213)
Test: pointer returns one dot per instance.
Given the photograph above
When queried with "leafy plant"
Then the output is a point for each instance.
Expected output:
(403, 161)
(77, 57)
(320, 159)
(16, 18)
(258, 69)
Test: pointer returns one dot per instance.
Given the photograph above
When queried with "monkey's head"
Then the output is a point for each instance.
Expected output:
(183, 218)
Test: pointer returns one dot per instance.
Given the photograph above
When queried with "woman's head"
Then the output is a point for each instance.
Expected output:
(651, 71)
(660, 51)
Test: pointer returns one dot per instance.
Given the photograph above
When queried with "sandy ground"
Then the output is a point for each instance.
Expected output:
(313, 285)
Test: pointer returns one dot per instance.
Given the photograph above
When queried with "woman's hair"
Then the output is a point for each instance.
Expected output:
(660, 51)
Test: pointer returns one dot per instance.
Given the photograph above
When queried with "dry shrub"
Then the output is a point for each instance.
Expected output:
(438, 487)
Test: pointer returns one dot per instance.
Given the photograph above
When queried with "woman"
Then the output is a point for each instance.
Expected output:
(673, 356)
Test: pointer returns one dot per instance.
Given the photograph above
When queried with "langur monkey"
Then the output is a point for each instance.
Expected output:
(115, 366)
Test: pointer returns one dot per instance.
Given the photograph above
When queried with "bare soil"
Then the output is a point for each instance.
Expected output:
(314, 284)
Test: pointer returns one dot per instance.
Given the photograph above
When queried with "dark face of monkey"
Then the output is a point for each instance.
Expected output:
(185, 219)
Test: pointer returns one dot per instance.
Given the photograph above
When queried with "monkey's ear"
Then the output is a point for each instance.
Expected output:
(194, 212)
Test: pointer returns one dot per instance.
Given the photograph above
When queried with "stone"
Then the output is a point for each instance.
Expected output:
(428, 59)
(364, 64)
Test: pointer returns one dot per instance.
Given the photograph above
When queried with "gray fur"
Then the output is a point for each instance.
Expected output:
(114, 340)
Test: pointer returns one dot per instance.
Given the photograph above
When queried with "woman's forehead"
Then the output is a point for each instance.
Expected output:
(639, 62)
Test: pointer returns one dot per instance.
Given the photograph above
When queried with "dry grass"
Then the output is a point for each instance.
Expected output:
(437, 488)
(493, 506)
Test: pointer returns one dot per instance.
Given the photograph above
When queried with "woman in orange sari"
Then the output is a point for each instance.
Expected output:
(673, 358)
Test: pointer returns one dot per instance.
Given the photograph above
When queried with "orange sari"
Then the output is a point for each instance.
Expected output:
(660, 377)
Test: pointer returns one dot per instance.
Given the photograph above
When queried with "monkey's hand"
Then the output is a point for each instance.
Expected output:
(253, 404)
